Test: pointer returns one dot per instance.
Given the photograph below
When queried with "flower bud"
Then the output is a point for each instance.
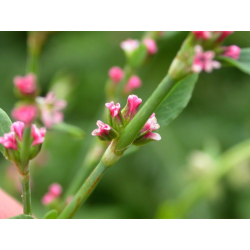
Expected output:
(116, 74)
(25, 113)
(26, 85)
(129, 46)
(104, 132)
(223, 35)
(115, 118)
(134, 82)
(204, 61)
(232, 51)
(131, 108)
(202, 35)
(146, 134)
(55, 189)
(151, 46)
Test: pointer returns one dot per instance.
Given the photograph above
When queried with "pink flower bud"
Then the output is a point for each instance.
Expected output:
(55, 189)
(203, 60)
(116, 74)
(18, 127)
(9, 141)
(223, 35)
(202, 34)
(26, 85)
(25, 113)
(232, 51)
(151, 124)
(130, 45)
(131, 107)
(114, 109)
(151, 45)
(38, 135)
(134, 82)
(47, 198)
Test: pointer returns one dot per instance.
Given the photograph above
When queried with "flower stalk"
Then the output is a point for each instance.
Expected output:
(26, 195)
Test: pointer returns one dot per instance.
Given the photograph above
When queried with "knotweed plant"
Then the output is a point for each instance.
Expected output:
(120, 128)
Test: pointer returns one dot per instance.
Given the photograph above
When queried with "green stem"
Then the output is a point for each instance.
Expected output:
(25, 181)
(84, 192)
(130, 132)
(25, 150)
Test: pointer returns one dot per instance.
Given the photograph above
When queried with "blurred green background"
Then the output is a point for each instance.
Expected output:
(140, 185)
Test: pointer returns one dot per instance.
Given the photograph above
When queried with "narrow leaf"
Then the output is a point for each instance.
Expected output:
(69, 129)
(176, 100)
(243, 63)
(51, 215)
(22, 216)
(5, 124)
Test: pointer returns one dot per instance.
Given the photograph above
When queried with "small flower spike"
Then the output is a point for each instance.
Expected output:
(25, 113)
(146, 134)
(116, 74)
(55, 191)
(47, 199)
(51, 109)
(9, 141)
(37, 135)
(130, 45)
(202, 34)
(204, 61)
(114, 109)
(232, 51)
(151, 46)
(18, 127)
(104, 132)
(131, 108)
(26, 85)
(134, 82)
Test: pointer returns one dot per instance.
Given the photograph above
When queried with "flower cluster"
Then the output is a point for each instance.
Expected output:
(12, 141)
(118, 119)
(54, 192)
(211, 39)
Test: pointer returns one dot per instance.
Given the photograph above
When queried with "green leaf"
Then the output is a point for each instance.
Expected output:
(243, 63)
(51, 214)
(5, 124)
(69, 129)
(138, 56)
(176, 100)
(22, 216)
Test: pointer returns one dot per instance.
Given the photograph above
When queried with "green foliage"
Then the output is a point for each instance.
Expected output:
(5, 124)
(70, 130)
(176, 100)
(22, 216)
(51, 214)
(138, 56)
(243, 63)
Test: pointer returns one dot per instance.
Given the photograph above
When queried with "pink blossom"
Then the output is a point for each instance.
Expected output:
(103, 129)
(47, 198)
(134, 82)
(116, 74)
(9, 141)
(18, 127)
(26, 85)
(130, 45)
(203, 60)
(37, 134)
(223, 35)
(55, 189)
(114, 109)
(151, 45)
(232, 51)
(25, 113)
(132, 107)
(202, 34)
(51, 109)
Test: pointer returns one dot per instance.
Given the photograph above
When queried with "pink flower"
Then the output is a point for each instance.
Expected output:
(151, 45)
(116, 74)
(55, 189)
(51, 109)
(47, 199)
(26, 85)
(9, 141)
(232, 51)
(114, 109)
(223, 35)
(132, 107)
(203, 60)
(102, 130)
(130, 45)
(202, 34)
(37, 134)
(25, 113)
(134, 82)
(18, 127)
(150, 126)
